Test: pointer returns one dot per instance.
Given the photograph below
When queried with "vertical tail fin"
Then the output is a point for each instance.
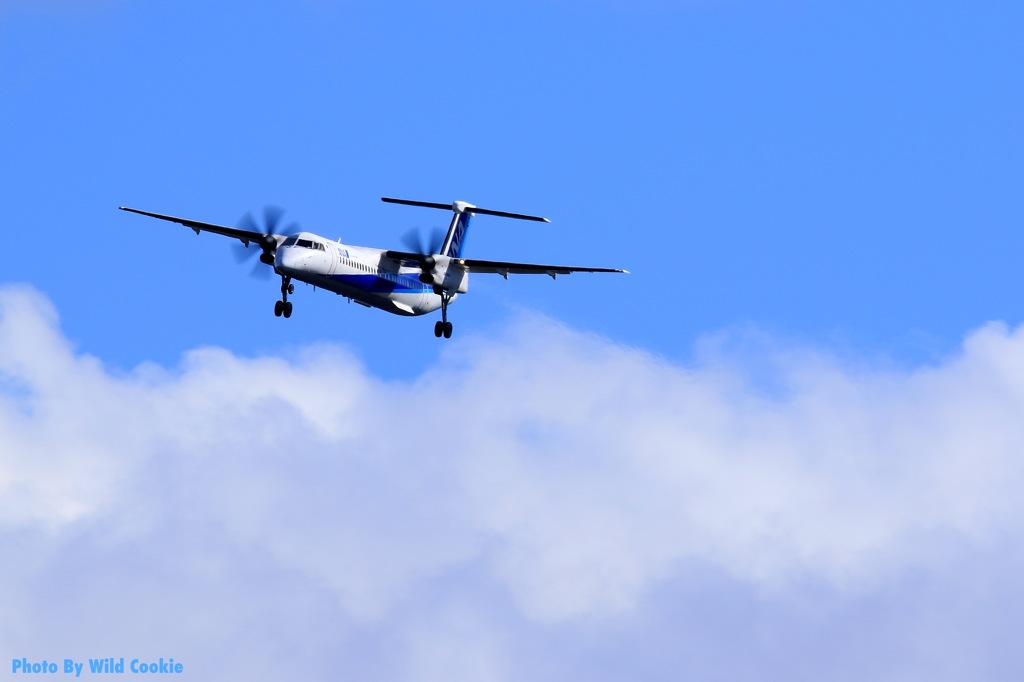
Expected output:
(455, 240)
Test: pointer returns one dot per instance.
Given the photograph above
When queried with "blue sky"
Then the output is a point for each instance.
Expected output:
(784, 447)
(823, 172)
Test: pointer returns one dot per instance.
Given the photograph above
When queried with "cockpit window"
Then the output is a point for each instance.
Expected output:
(304, 244)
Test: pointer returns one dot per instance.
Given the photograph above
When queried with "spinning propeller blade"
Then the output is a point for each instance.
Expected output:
(267, 243)
(413, 238)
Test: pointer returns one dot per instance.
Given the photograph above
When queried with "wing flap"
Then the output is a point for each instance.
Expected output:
(245, 236)
(505, 268)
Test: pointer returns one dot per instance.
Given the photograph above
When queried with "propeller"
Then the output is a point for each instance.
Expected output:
(426, 251)
(266, 242)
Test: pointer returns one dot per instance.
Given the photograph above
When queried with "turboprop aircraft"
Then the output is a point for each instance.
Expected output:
(414, 282)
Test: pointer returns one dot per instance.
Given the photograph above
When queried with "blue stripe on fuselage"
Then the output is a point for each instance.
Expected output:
(384, 284)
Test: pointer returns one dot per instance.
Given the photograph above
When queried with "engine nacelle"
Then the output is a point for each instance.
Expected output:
(446, 277)
(456, 279)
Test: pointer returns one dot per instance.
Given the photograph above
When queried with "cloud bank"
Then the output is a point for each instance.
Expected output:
(544, 504)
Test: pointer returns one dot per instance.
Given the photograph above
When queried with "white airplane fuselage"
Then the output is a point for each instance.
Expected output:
(359, 273)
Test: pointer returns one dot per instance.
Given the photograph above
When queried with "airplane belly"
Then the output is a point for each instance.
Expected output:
(377, 292)
(396, 293)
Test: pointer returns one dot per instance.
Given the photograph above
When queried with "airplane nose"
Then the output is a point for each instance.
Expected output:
(287, 258)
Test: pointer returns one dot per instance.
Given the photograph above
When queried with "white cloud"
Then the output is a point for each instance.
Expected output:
(246, 511)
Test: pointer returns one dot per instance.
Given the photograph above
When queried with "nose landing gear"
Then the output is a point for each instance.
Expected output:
(284, 306)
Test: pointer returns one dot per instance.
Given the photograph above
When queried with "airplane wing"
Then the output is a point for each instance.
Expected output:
(505, 269)
(245, 236)
(502, 268)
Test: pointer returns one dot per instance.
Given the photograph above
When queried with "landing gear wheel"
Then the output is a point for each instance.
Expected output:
(443, 326)
(284, 306)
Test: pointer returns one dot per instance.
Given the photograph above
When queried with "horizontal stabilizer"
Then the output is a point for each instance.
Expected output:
(504, 214)
(460, 207)
(423, 204)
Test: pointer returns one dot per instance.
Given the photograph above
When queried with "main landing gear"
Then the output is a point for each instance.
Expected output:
(284, 306)
(443, 326)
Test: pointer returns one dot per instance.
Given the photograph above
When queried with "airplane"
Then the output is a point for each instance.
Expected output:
(415, 282)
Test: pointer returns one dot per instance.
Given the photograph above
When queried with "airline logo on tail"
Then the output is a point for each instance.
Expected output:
(458, 232)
